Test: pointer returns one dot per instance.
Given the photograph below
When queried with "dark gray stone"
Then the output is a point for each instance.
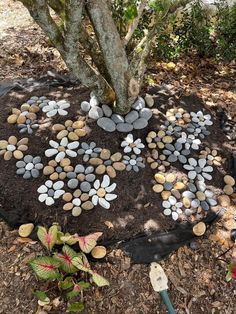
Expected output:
(124, 127)
(85, 186)
(131, 116)
(117, 118)
(106, 124)
(139, 124)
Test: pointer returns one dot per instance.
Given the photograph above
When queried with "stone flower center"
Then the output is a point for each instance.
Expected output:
(132, 145)
(61, 149)
(101, 192)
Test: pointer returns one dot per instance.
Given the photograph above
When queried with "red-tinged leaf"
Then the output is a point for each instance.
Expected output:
(99, 280)
(87, 243)
(65, 259)
(231, 274)
(67, 283)
(46, 267)
(48, 238)
(82, 263)
(75, 307)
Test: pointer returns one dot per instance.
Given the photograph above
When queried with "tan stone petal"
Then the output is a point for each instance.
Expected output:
(23, 148)
(95, 161)
(58, 127)
(7, 155)
(68, 123)
(18, 154)
(61, 134)
(23, 141)
(119, 166)
(78, 125)
(116, 157)
(73, 136)
(3, 144)
(21, 119)
(111, 171)
(12, 119)
(12, 140)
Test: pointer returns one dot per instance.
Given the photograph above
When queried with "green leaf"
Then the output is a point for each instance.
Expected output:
(84, 285)
(75, 292)
(82, 263)
(69, 239)
(65, 284)
(65, 259)
(228, 276)
(99, 280)
(130, 12)
(48, 238)
(46, 267)
(87, 243)
(75, 307)
(41, 296)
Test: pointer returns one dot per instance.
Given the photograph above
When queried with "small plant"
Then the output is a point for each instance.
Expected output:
(231, 271)
(66, 266)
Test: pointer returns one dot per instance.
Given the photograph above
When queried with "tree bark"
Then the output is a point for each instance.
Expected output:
(113, 51)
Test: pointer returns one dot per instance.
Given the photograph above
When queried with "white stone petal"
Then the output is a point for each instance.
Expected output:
(92, 192)
(42, 197)
(172, 200)
(64, 142)
(60, 156)
(76, 201)
(58, 193)
(192, 162)
(105, 181)
(96, 184)
(42, 189)
(95, 200)
(62, 112)
(123, 144)
(202, 162)
(53, 144)
(175, 216)
(58, 185)
(166, 204)
(46, 108)
(208, 169)
(110, 197)
(188, 167)
(207, 176)
(129, 138)
(63, 105)
(102, 202)
(136, 150)
(110, 188)
(49, 183)
(127, 149)
(73, 145)
(71, 153)
(51, 113)
(49, 201)
(167, 212)
(192, 175)
(51, 152)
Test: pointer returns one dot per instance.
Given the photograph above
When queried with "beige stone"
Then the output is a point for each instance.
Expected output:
(155, 154)
(3, 144)
(54, 176)
(76, 211)
(167, 139)
(111, 172)
(118, 166)
(165, 195)
(58, 127)
(52, 163)
(78, 125)
(105, 154)
(32, 116)
(199, 229)
(201, 196)
(68, 168)
(170, 177)
(99, 252)
(116, 157)
(154, 165)
(23, 141)
(176, 193)
(152, 134)
(186, 202)
(152, 145)
(2, 152)
(62, 175)
(100, 169)
(21, 119)
(161, 133)
(160, 145)
(12, 119)
(68, 206)
(25, 107)
(23, 148)
(18, 154)
(157, 188)
(148, 139)
(34, 109)
(7, 155)
(224, 200)
(73, 136)
(68, 123)
(81, 177)
(84, 197)
(62, 134)
(80, 132)
(95, 161)
(160, 178)
(77, 193)
(65, 162)
(47, 170)
(16, 111)
(149, 100)
(87, 205)
(67, 197)
(228, 189)
(179, 186)
(25, 230)
(229, 180)
(12, 140)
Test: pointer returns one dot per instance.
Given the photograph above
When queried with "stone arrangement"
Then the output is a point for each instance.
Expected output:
(80, 173)
(136, 119)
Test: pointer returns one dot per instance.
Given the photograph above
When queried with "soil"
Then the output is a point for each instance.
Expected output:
(196, 276)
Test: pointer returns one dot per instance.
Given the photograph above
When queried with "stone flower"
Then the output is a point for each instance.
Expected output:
(172, 207)
(13, 148)
(76, 202)
(29, 167)
(62, 149)
(189, 141)
(158, 139)
(59, 170)
(72, 130)
(198, 169)
(175, 152)
(211, 156)
(171, 128)
(201, 119)
(28, 127)
(133, 163)
(130, 145)
(89, 151)
(83, 176)
(178, 115)
(53, 108)
(197, 131)
(101, 192)
(157, 161)
(41, 101)
(25, 112)
(167, 183)
(50, 191)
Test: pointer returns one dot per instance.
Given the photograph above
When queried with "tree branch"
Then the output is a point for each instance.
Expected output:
(134, 24)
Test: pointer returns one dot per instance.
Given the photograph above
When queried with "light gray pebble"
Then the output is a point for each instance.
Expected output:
(131, 116)
(95, 113)
(58, 169)
(107, 110)
(50, 192)
(139, 124)
(117, 118)
(145, 113)
(205, 206)
(124, 127)
(85, 186)
(28, 158)
(139, 104)
(34, 97)
(106, 124)
(73, 183)
(71, 175)
(79, 169)
(39, 166)
(192, 187)
(85, 106)
(27, 175)
(188, 194)
(172, 158)
(36, 160)
(20, 171)
(211, 201)
(89, 169)
(90, 177)
(35, 173)
(182, 159)
(192, 175)
(20, 164)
